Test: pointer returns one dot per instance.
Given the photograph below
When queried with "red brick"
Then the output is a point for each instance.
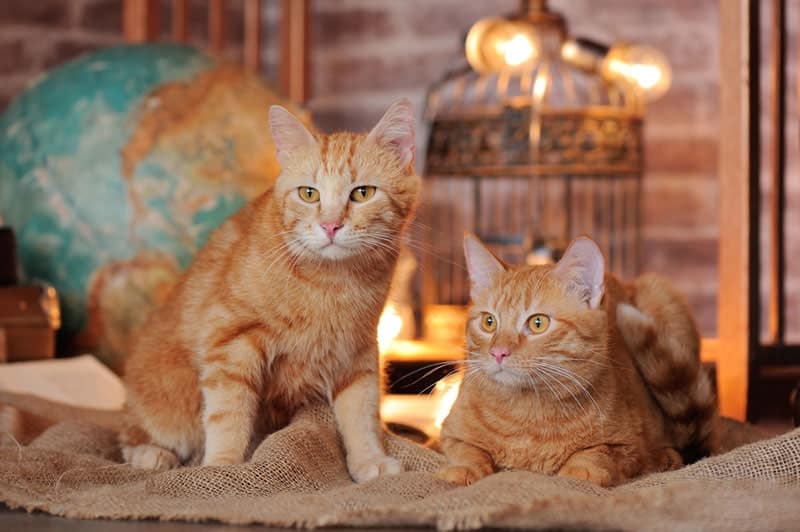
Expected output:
(345, 117)
(102, 16)
(436, 18)
(689, 261)
(680, 203)
(379, 73)
(635, 19)
(39, 12)
(62, 51)
(691, 265)
(14, 57)
(351, 25)
(681, 155)
(684, 106)
(704, 311)
(695, 51)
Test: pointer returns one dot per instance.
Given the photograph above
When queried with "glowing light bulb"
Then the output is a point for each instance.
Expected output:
(495, 44)
(516, 50)
(643, 66)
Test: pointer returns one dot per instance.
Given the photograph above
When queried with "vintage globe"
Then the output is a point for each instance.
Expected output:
(114, 169)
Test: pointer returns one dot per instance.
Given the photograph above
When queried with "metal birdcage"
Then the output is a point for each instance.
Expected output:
(528, 159)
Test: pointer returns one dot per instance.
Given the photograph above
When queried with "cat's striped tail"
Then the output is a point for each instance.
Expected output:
(661, 335)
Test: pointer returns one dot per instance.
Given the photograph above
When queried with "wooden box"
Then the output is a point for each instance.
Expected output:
(29, 317)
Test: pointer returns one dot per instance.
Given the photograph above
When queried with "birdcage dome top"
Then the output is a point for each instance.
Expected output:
(552, 115)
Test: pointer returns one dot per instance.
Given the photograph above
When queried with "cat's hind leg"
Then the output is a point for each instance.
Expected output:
(668, 459)
(231, 384)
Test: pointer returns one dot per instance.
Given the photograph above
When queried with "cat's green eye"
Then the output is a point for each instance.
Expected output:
(308, 194)
(538, 323)
(488, 322)
(362, 194)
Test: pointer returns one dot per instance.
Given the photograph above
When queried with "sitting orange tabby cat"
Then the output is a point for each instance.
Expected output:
(572, 373)
(279, 309)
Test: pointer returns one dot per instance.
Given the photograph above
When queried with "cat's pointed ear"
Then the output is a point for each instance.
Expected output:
(288, 133)
(582, 269)
(395, 131)
(482, 265)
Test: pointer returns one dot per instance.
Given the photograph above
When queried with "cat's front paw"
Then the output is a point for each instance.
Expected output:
(148, 456)
(594, 474)
(460, 475)
(366, 470)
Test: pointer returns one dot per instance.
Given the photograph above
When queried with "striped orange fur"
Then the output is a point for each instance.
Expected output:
(276, 313)
(660, 332)
(563, 394)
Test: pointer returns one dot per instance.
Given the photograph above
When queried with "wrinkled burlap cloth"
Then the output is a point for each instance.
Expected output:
(297, 477)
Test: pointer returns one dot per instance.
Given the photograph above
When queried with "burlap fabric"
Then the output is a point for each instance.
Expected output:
(297, 477)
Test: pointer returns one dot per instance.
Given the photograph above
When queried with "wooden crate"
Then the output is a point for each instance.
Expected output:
(29, 318)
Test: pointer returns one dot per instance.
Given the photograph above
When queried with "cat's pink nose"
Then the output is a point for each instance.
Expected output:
(330, 228)
(499, 353)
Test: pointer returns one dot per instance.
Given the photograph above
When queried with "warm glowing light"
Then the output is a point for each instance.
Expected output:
(445, 392)
(643, 66)
(389, 326)
(646, 76)
(540, 85)
(569, 50)
(495, 44)
(516, 50)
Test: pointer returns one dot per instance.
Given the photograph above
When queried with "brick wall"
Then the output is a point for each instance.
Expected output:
(369, 52)
(37, 35)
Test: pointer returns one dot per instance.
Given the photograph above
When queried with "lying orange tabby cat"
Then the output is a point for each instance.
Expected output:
(572, 373)
(280, 308)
